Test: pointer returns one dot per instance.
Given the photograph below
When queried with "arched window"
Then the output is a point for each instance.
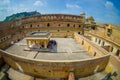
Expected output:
(118, 52)
(74, 25)
(112, 48)
(48, 24)
(99, 41)
(103, 43)
(68, 25)
(95, 53)
(38, 25)
(3, 39)
(95, 39)
(58, 24)
(31, 26)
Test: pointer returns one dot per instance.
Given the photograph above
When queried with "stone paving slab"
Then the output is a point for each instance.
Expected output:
(63, 56)
(68, 45)
(19, 50)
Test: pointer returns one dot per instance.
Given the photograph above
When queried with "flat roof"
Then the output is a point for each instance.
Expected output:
(39, 33)
(67, 49)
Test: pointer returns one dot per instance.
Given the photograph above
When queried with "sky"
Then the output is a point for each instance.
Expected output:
(105, 11)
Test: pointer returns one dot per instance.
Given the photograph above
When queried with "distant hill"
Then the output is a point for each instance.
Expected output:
(20, 15)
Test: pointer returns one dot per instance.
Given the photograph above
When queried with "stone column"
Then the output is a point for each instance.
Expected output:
(27, 42)
(31, 42)
(45, 44)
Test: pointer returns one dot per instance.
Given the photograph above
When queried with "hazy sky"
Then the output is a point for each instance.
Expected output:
(102, 10)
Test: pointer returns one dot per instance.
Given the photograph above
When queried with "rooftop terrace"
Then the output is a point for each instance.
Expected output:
(38, 33)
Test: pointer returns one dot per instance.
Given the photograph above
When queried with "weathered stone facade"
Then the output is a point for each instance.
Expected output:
(59, 25)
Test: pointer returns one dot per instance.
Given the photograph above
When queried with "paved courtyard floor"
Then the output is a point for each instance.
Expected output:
(67, 49)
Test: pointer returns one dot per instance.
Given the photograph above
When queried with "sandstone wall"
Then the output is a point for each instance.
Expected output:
(92, 48)
(60, 69)
(55, 69)
(113, 67)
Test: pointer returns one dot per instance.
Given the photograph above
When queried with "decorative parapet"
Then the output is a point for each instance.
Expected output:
(51, 17)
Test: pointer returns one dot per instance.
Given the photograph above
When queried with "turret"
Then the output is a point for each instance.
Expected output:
(83, 17)
(109, 30)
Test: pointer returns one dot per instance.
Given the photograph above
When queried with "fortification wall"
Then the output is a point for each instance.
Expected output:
(58, 68)
(52, 17)
(52, 24)
(59, 26)
(55, 69)
(53, 27)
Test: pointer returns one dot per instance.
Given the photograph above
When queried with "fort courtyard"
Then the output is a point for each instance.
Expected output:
(59, 47)
(67, 49)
